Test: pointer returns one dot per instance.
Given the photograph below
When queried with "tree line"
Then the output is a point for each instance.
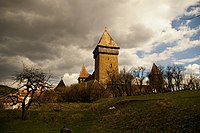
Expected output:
(172, 78)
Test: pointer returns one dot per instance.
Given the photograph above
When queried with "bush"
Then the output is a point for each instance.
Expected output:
(49, 96)
(85, 92)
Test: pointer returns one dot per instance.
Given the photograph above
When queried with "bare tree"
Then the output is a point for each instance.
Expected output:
(33, 82)
(169, 78)
(177, 72)
(113, 85)
(174, 77)
(197, 83)
(125, 79)
(139, 75)
(193, 82)
(121, 85)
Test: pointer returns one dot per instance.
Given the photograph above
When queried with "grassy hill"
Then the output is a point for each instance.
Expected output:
(168, 112)
(5, 90)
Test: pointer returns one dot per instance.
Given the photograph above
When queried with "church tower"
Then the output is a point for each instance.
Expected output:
(83, 75)
(156, 81)
(106, 58)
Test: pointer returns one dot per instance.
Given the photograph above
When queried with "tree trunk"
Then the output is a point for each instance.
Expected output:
(29, 104)
(141, 86)
(23, 111)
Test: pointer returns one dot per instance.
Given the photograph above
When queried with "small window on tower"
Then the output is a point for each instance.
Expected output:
(110, 65)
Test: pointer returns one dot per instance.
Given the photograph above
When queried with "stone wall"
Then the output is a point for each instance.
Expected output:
(105, 64)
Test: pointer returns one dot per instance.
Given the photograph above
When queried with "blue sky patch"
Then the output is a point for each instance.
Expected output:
(195, 36)
(140, 54)
(195, 22)
(189, 53)
(162, 47)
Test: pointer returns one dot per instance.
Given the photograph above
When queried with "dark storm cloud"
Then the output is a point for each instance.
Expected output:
(52, 19)
(44, 31)
(35, 20)
(8, 67)
(34, 50)
(31, 25)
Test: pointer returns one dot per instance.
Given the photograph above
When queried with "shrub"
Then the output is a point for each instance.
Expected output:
(85, 92)
(49, 96)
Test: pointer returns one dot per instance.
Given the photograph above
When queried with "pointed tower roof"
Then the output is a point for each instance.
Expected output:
(106, 40)
(155, 69)
(83, 73)
(60, 86)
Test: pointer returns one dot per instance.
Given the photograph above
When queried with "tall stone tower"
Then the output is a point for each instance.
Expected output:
(106, 58)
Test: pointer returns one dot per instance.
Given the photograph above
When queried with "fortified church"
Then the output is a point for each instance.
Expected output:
(105, 55)
(106, 61)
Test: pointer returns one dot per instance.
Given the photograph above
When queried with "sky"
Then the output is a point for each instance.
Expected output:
(59, 36)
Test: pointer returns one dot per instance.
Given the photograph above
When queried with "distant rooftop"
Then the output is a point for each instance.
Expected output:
(84, 73)
(60, 86)
(155, 69)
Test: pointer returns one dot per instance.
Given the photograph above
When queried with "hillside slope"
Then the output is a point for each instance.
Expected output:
(5, 90)
(168, 112)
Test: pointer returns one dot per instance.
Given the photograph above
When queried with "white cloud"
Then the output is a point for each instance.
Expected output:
(188, 60)
(192, 69)
(60, 35)
(181, 42)
(70, 78)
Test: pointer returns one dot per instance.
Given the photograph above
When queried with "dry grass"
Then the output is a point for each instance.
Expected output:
(168, 112)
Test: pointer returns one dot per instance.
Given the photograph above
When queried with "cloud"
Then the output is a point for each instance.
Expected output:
(183, 61)
(9, 66)
(138, 34)
(194, 10)
(70, 78)
(193, 69)
(59, 36)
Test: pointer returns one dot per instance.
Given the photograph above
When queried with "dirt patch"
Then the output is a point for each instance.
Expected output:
(128, 102)
(165, 103)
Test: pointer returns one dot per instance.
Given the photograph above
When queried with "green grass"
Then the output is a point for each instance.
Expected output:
(168, 112)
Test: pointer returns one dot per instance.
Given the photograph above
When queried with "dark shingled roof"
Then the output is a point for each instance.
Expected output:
(61, 86)
(155, 69)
